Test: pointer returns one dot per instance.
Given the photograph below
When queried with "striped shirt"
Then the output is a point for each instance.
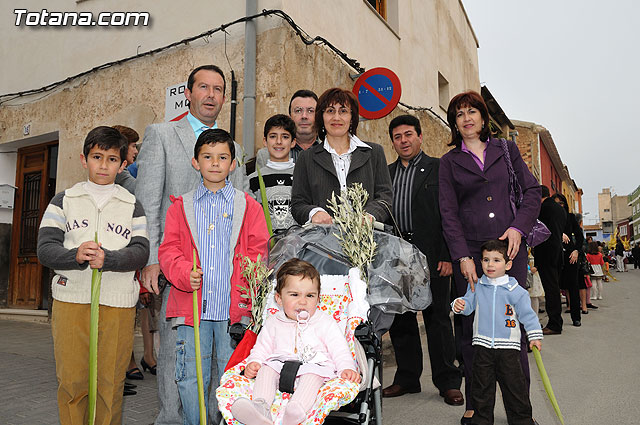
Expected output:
(402, 190)
(214, 212)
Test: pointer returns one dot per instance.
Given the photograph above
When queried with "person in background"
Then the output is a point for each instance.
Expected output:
(416, 209)
(277, 174)
(126, 178)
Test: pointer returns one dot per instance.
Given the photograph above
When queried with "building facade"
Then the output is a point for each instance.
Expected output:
(634, 204)
(106, 76)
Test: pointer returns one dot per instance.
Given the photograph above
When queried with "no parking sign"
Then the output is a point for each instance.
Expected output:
(378, 92)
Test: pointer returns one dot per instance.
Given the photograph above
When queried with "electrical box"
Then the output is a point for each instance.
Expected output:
(7, 195)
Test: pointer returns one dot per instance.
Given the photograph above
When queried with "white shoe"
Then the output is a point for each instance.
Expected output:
(600, 297)
(594, 298)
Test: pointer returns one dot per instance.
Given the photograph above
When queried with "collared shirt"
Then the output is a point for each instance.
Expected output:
(464, 148)
(343, 162)
(198, 126)
(402, 190)
(214, 213)
(297, 150)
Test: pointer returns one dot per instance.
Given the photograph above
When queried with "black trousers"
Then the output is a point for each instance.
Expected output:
(550, 277)
(503, 366)
(519, 272)
(405, 338)
(570, 284)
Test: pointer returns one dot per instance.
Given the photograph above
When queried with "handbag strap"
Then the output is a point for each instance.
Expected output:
(515, 191)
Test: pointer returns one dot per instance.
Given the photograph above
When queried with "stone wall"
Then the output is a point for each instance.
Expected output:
(132, 94)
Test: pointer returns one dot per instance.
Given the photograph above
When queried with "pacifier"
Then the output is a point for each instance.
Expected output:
(302, 317)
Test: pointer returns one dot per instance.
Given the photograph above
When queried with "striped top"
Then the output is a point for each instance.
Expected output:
(214, 213)
(402, 189)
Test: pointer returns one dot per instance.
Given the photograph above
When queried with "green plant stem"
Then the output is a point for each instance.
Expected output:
(547, 384)
(96, 279)
(265, 203)
(196, 336)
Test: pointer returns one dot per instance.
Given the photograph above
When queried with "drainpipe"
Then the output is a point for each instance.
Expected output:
(249, 98)
(234, 105)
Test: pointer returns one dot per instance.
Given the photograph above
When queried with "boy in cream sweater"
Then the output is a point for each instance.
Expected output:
(66, 244)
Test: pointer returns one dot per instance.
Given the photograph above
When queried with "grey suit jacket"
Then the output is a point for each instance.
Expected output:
(164, 169)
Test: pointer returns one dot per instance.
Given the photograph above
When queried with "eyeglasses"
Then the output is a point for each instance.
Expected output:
(300, 111)
(341, 111)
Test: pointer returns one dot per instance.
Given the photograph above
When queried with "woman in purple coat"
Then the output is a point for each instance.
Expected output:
(475, 207)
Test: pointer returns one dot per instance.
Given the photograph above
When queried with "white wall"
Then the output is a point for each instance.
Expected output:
(430, 36)
(7, 176)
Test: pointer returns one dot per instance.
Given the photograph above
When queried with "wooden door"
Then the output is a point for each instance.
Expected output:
(33, 193)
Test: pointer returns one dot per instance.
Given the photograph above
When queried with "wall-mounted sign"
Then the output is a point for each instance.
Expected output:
(176, 105)
(378, 91)
(7, 195)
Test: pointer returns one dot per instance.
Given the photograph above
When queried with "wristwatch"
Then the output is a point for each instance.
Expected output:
(461, 259)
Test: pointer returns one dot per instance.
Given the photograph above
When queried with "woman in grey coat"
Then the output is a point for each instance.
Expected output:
(341, 160)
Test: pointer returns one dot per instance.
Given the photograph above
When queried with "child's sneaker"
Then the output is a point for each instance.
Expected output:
(251, 412)
(294, 414)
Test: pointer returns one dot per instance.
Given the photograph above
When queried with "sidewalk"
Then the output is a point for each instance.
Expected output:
(28, 379)
(593, 370)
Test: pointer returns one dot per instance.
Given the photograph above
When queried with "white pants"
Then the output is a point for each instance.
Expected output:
(596, 288)
(619, 263)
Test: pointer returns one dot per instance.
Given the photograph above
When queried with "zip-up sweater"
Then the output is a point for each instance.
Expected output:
(71, 218)
(249, 238)
(500, 305)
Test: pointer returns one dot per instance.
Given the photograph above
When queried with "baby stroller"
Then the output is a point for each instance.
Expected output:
(398, 281)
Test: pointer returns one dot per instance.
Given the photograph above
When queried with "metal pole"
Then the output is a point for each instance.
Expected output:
(249, 98)
(234, 105)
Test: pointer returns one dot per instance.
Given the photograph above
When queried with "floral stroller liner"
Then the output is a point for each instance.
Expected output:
(337, 300)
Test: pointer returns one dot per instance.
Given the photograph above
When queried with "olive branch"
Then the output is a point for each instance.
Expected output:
(355, 226)
(257, 275)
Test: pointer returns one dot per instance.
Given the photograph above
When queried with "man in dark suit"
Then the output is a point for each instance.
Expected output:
(417, 212)
(549, 260)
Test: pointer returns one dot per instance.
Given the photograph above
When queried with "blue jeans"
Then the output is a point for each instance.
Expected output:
(212, 334)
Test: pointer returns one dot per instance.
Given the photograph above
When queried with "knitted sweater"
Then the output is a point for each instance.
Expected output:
(72, 218)
(278, 190)
(500, 305)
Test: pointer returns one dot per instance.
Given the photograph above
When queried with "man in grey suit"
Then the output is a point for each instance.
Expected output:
(165, 170)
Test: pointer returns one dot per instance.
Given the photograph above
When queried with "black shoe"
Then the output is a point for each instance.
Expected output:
(577, 323)
(129, 386)
(585, 311)
(129, 392)
(145, 366)
(591, 306)
(135, 374)
(466, 421)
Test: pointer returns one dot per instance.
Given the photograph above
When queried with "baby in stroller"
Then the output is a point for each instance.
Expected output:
(298, 331)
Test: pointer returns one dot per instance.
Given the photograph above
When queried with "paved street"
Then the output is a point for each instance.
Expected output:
(594, 371)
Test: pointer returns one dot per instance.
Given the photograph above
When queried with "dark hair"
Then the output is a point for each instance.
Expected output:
(128, 132)
(299, 268)
(472, 99)
(283, 121)
(211, 137)
(404, 120)
(496, 245)
(332, 97)
(214, 68)
(592, 247)
(106, 138)
(562, 198)
(302, 93)
(545, 191)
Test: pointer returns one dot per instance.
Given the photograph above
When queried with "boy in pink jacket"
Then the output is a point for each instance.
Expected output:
(222, 225)
(299, 331)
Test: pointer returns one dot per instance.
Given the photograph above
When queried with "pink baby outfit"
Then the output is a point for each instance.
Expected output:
(320, 345)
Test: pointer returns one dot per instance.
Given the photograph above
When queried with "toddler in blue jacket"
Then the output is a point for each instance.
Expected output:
(500, 306)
